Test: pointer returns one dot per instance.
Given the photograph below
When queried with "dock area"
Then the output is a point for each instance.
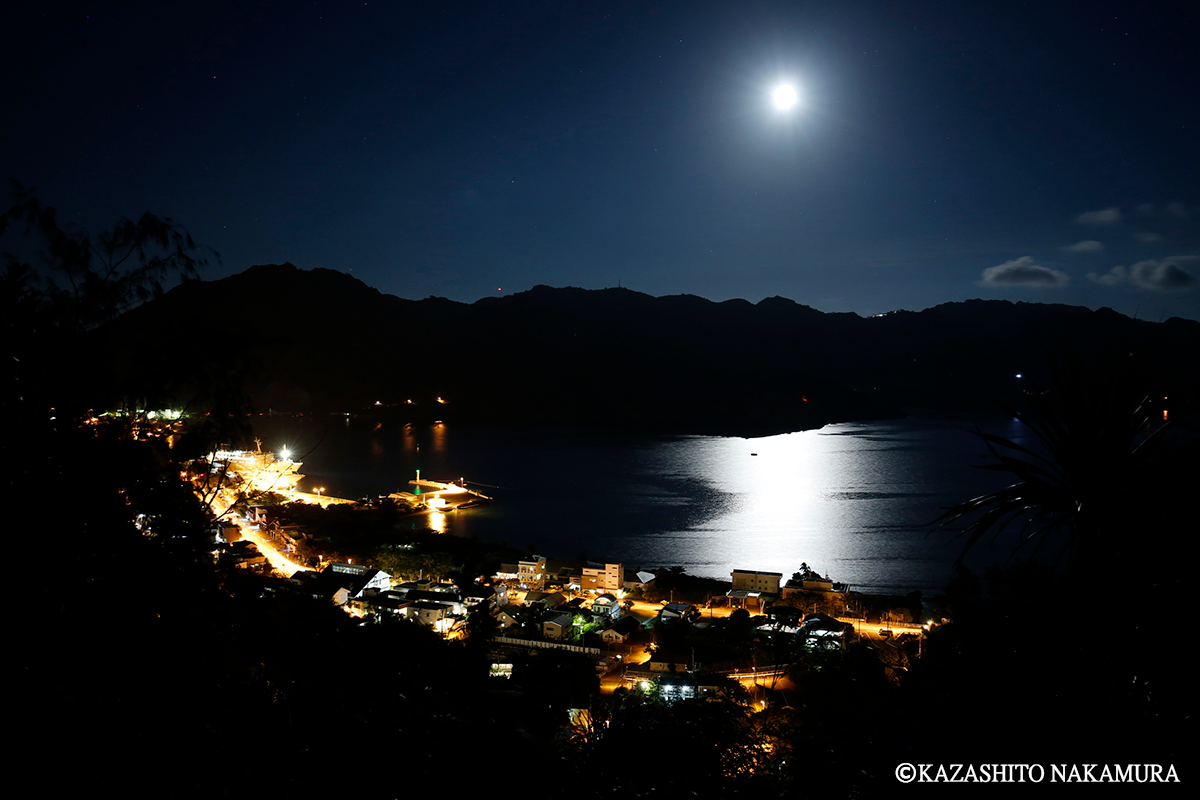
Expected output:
(442, 496)
(316, 498)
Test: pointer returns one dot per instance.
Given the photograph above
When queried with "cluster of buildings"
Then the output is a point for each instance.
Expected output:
(549, 600)
(539, 572)
(534, 597)
(542, 602)
(753, 589)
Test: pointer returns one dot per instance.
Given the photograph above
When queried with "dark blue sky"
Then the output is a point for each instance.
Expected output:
(1027, 151)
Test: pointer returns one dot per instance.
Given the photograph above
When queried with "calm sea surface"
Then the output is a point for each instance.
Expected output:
(852, 500)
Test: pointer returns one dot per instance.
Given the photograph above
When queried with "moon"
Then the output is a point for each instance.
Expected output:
(784, 96)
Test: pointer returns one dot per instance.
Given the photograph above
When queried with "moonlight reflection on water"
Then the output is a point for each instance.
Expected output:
(852, 500)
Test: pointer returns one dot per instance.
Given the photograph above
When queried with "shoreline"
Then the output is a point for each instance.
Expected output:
(867, 488)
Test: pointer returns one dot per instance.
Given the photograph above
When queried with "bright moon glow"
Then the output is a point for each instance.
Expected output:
(784, 96)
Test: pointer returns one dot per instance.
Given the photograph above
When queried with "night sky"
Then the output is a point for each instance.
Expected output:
(1035, 151)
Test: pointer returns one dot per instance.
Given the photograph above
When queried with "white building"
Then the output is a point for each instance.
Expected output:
(532, 570)
(603, 578)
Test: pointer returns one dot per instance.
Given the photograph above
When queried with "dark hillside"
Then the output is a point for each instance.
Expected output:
(322, 341)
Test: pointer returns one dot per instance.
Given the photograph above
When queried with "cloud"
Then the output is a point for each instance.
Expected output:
(1163, 274)
(1086, 246)
(1173, 209)
(1111, 278)
(1023, 271)
(1148, 236)
(1105, 216)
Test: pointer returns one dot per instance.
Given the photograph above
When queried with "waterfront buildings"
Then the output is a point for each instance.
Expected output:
(745, 580)
(603, 578)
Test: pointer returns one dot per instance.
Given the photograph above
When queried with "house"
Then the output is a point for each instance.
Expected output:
(620, 631)
(685, 611)
(784, 615)
(824, 625)
(341, 583)
(815, 583)
(561, 578)
(532, 571)
(431, 615)
(508, 617)
(559, 626)
(810, 581)
(664, 661)
(756, 581)
(322, 586)
(639, 580)
(222, 531)
(290, 535)
(382, 602)
(606, 605)
(740, 598)
(245, 555)
(356, 578)
(427, 585)
(684, 687)
(602, 578)
(474, 596)
(545, 599)
(821, 631)
(450, 600)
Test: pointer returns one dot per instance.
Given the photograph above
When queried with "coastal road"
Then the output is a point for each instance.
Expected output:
(649, 609)
(278, 561)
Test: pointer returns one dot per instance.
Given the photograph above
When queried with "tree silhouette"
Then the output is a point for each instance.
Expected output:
(1100, 471)
(91, 280)
(76, 283)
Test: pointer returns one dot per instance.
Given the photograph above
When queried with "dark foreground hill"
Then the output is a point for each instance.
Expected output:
(277, 337)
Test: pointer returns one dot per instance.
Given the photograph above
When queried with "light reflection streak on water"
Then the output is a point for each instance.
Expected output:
(850, 500)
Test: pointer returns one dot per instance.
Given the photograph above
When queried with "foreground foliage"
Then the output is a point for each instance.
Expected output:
(1106, 467)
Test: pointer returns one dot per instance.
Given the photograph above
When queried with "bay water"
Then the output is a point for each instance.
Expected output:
(852, 500)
